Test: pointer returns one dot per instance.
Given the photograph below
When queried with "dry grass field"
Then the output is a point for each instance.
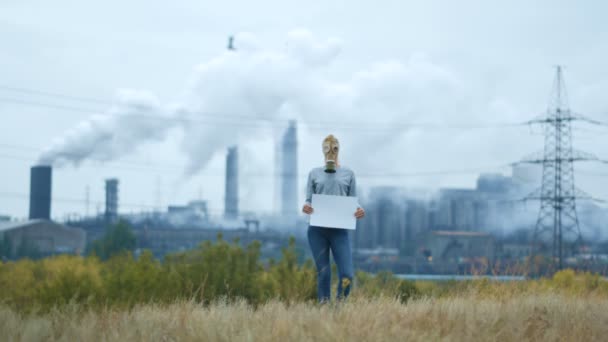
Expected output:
(68, 298)
(531, 317)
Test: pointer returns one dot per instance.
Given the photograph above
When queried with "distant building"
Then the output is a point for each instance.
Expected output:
(395, 218)
(231, 205)
(200, 208)
(401, 218)
(515, 251)
(457, 246)
(417, 221)
(494, 183)
(195, 212)
(40, 238)
(500, 209)
(526, 177)
(385, 222)
(457, 209)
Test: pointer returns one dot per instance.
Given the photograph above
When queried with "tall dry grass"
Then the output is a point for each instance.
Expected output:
(467, 317)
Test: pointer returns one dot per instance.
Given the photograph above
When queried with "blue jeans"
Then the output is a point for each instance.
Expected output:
(321, 240)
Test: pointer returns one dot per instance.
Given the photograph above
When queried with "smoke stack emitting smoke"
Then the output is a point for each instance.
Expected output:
(291, 83)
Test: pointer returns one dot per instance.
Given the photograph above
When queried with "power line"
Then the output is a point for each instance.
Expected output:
(83, 201)
(145, 164)
(145, 167)
(365, 126)
(141, 115)
(70, 97)
(324, 125)
(53, 94)
(591, 173)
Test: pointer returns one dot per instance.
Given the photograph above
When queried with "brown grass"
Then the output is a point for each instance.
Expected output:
(547, 317)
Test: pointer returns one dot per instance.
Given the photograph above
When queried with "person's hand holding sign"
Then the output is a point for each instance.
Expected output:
(359, 213)
(307, 209)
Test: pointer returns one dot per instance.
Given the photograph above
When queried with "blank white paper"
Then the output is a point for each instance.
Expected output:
(334, 211)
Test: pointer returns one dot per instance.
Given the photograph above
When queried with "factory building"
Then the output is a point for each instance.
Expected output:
(384, 224)
(38, 238)
(394, 219)
(231, 205)
(401, 219)
(526, 177)
(457, 209)
(456, 246)
(183, 215)
(494, 183)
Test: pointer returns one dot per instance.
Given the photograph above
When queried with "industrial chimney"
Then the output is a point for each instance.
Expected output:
(289, 171)
(111, 214)
(231, 206)
(40, 192)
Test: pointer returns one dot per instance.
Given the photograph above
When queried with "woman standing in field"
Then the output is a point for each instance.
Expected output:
(333, 179)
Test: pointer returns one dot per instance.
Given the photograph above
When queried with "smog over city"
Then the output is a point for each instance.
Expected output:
(476, 132)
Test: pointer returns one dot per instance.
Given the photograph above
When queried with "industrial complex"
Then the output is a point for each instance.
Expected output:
(449, 231)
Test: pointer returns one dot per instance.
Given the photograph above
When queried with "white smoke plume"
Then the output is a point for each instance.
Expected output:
(136, 117)
(236, 89)
(235, 97)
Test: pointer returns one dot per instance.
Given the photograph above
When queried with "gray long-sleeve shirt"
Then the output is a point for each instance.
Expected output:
(340, 183)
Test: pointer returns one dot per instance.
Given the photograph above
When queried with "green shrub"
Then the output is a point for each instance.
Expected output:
(227, 271)
(293, 282)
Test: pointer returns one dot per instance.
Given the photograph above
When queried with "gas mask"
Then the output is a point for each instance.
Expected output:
(331, 148)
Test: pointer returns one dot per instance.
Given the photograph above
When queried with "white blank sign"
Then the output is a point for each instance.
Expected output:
(334, 211)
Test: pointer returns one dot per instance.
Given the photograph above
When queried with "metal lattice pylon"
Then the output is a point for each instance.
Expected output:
(557, 230)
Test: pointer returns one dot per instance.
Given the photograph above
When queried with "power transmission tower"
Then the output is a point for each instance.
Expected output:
(557, 224)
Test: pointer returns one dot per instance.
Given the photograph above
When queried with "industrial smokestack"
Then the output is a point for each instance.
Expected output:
(289, 170)
(231, 207)
(40, 192)
(111, 213)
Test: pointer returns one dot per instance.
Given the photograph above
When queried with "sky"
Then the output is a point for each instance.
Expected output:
(420, 93)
